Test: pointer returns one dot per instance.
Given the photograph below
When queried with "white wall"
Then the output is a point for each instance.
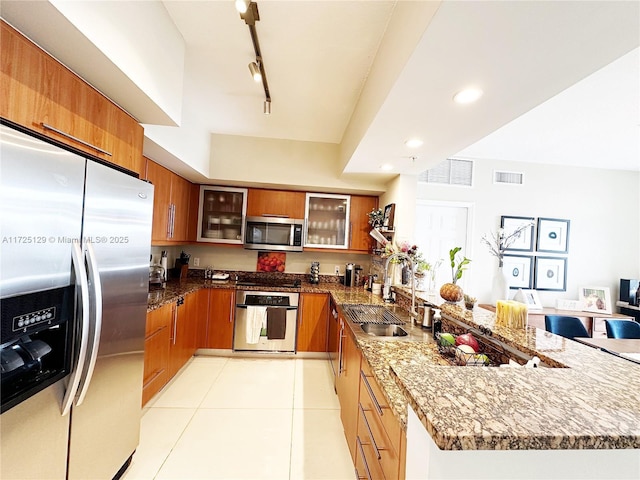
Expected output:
(272, 162)
(239, 259)
(141, 40)
(602, 205)
(402, 191)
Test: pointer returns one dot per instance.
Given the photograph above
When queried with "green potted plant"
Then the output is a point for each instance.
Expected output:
(469, 301)
(451, 292)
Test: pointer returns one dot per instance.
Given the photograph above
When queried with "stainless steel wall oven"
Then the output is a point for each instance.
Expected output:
(265, 321)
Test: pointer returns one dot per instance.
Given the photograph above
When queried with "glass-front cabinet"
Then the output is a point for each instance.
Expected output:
(327, 220)
(221, 214)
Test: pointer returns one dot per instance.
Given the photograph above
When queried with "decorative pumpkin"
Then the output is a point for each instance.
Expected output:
(451, 292)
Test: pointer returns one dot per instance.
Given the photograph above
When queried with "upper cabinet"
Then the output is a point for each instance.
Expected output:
(42, 95)
(327, 221)
(221, 214)
(360, 228)
(277, 203)
(170, 205)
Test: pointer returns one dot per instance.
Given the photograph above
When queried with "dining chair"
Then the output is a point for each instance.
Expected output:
(622, 329)
(568, 327)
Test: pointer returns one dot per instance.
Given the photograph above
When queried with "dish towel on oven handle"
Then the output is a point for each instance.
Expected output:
(276, 323)
(256, 318)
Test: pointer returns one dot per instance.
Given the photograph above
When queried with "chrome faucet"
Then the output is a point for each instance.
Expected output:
(387, 285)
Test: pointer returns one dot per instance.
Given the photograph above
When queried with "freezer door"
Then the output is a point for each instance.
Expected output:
(34, 438)
(41, 188)
(117, 228)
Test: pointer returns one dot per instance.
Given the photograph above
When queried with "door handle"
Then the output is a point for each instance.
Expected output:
(83, 284)
(340, 350)
(96, 310)
(364, 460)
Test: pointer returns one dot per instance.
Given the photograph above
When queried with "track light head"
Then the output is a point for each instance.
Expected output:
(242, 5)
(251, 14)
(267, 107)
(255, 72)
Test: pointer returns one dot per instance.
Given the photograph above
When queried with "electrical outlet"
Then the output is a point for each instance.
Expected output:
(337, 269)
(196, 262)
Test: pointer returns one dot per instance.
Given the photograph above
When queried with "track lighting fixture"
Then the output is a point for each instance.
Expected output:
(250, 17)
(255, 72)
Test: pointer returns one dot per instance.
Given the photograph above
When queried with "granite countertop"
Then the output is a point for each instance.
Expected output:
(592, 403)
(591, 400)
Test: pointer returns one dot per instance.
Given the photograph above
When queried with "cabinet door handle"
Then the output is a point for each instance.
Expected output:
(75, 139)
(175, 323)
(172, 219)
(350, 234)
(373, 440)
(340, 350)
(371, 394)
(364, 460)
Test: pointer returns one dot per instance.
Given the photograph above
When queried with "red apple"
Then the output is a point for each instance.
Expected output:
(468, 339)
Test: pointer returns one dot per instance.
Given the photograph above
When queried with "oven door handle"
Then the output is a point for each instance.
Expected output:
(287, 307)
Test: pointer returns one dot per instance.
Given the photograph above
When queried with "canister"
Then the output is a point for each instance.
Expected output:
(427, 317)
(357, 277)
(349, 275)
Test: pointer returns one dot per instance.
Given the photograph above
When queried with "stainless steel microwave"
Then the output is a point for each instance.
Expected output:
(273, 233)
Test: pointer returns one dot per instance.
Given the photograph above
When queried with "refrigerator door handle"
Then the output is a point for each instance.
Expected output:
(83, 284)
(95, 315)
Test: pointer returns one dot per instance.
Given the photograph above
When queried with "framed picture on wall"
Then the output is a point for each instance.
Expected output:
(524, 242)
(595, 299)
(518, 270)
(551, 274)
(553, 235)
(389, 213)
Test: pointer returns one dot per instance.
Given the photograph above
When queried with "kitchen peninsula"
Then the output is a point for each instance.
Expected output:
(576, 417)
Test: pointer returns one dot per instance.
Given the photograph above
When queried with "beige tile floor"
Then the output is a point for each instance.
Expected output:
(244, 418)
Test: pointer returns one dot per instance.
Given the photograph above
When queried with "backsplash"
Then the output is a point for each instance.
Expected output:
(229, 259)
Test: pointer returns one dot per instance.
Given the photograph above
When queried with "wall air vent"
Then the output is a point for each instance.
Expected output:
(452, 171)
(511, 178)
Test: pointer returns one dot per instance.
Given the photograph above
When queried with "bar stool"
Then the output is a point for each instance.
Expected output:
(567, 327)
(622, 329)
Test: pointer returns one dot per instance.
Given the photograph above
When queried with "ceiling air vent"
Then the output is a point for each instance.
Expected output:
(452, 171)
(511, 178)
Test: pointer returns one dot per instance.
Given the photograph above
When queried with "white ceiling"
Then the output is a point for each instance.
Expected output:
(369, 74)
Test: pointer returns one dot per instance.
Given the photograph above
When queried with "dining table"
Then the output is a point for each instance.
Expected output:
(628, 348)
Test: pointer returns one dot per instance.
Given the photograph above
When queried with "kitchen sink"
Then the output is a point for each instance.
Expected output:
(373, 314)
(381, 330)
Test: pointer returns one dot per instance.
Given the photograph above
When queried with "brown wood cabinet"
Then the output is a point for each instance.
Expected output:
(37, 90)
(313, 321)
(348, 387)
(379, 431)
(184, 328)
(222, 303)
(360, 228)
(156, 351)
(173, 333)
(202, 317)
(283, 203)
(170, 204)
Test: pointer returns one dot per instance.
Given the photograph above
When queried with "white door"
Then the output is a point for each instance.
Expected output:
(439, 227)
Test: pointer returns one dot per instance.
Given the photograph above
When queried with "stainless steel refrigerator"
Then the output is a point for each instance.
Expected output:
(75, 240)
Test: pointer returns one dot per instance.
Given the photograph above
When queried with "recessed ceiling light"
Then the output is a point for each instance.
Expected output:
(413, 143)
(386, 167)
(468, 95)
